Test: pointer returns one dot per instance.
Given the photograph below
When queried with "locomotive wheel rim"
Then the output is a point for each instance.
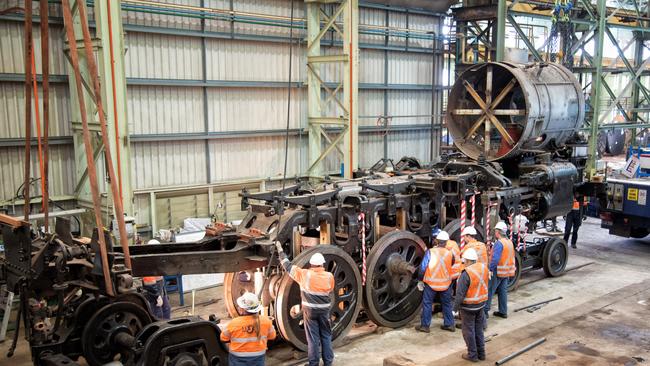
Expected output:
(100, 331)
(347, 283)
(557, 257)
(513, 282)
(236, 284)
(392, 299)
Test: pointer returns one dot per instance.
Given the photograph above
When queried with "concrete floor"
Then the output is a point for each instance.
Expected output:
(603, 318)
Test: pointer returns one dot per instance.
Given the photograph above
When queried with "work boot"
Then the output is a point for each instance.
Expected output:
(574, 246)
(481, 357)
(465, 356)
(500, 315)
(449, 329)
(459, 325)
(422, 329)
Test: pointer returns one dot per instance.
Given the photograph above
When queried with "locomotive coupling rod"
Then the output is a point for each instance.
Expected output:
(517, 353)
(538, 303)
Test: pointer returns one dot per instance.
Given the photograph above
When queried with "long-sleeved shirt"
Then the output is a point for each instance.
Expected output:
(425, 264)
(316, 284)
(461, 291)
(497, 250)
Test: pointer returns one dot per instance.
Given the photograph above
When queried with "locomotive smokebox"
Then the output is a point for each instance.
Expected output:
(500, 109)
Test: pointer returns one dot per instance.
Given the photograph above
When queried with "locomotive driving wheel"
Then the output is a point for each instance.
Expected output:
(108, 333)
(391, 296)
(236, 284)
(346, 305)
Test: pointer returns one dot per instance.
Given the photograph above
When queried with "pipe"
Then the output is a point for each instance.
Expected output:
(538, 303)
(517, 353)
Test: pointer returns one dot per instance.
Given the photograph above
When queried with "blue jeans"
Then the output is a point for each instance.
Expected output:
(473, 322)
(319, 336)
(246, 361)
(498, 286)
(160, 312)
(445, 301)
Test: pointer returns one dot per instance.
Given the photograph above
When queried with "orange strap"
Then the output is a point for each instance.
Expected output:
(38, 129)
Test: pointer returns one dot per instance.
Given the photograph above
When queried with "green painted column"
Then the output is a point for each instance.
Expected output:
(596, 88)
(502, 12)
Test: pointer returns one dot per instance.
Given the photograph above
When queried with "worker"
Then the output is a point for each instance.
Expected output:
(471, 295)
(469, 234)
(316, 291)
(248, 333)
(435, 280)
(452, 246)
(156, 293)
(573, 221)
(502, 268)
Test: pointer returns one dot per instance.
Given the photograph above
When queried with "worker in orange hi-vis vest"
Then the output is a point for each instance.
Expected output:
(156, 294)
(316, 293)
(435, 280)
(502, 268)
(471, 295)
(248, 333)
(573, 221)
(469, 233)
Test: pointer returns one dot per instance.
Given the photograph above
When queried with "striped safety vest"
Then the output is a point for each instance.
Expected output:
(478, 280)
(151, 280)
(452, 246)
(316, 286)
(480, 248)
(438, 272)
(506, 266)
(242, 335)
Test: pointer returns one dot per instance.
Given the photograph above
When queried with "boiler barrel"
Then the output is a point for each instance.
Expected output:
(498, 109)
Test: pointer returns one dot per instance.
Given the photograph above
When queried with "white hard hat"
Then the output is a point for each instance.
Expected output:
(501, 226)
(317, 260)
(469, 231)
(442, 236)
(153, 241)
(470, 254)
(249, 302)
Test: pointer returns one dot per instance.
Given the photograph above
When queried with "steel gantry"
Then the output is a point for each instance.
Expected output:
(325, 105)
(108, 45)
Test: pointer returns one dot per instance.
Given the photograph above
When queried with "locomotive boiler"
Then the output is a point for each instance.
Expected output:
(515, 127)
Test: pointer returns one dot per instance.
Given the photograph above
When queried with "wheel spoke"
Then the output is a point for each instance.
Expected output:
(475, 127)
(503, 93)
(475, 96)
(502, 130)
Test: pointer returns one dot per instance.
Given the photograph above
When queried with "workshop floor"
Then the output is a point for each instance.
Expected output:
(602, 319)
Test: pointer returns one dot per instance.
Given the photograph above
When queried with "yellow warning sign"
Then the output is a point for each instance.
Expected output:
(632, 194)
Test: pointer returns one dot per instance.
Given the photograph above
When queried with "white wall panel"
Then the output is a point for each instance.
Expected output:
(171, 163)
(161, 20)
(163, 56)
(409, 143)
(12, 48)
(253, 61)
(61, 171)
(12, 110)
(157, 110)
(248, 109)
(409, 103)
(409, 68)
(371, 66)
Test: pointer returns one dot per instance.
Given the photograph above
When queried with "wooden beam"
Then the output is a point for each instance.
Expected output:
(14, 222)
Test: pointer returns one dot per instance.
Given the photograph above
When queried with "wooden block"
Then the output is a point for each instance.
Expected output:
(12, 221)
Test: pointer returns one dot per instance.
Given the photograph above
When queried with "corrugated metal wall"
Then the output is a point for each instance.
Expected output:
(207, 98)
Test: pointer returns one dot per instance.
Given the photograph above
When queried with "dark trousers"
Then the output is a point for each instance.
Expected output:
(428, 298)
(573, 220)
(246, 361)
(498, 286)
(319, 336)
(160, 312)
(473, 322)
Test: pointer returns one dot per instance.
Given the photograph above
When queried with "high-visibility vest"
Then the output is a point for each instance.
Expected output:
(438, 272)
(241, 332)
(506, 266)
(316, 285)
(151, 280)
(452, 246)
(478, 284)
(576, 204)
(480, 248)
